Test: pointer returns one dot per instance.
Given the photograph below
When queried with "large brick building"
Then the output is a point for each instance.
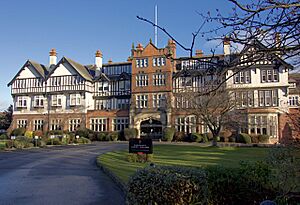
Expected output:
(141, 92)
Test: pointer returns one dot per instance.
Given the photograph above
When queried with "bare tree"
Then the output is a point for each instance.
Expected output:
(276, 23)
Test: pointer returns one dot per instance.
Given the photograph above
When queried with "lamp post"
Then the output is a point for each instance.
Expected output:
(12, 139)
(77, 137)
(51, 137)
(35, 140)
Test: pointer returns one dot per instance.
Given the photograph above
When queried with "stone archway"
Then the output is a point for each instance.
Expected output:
(151, 128)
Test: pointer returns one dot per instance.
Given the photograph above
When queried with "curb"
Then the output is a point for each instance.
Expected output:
(111, 175)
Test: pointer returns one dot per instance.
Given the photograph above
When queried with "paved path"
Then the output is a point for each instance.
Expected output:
(57, 175)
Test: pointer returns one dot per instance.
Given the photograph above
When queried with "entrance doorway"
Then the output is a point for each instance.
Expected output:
(151, 128)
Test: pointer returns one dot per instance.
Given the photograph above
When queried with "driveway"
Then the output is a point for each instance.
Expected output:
(58, 175)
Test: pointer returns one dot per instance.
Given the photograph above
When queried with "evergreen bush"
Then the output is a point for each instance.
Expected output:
(130, 133)
(168, 134)
(243, 138)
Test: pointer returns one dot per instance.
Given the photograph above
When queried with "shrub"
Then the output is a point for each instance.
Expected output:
(243, 138)
(141, 158)
(101, 136)
(179, 137)
(247, 184)
(209, 136)
(83, 140)
(130, 133)
(41, 143)
(224, 135)
(38, 133)
(232, 139)
(3, 137)
(254, 138)
(18, 131)
(22, 142)
(9, 144)
(54, 141)
(195, 137)
(168, 134)
(205, 138)
(167, 185)
(28, 134)
(263, 138)
(83, 132)
(114, 136)
(55, 132)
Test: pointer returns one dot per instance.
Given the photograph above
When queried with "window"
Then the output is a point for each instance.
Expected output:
(56, 100)
(187, 81)
(103, 104)
(242, 77)
(123, 104)
(263, 124)
(38, 101)
(38, 125)
(22, 101)
(75, 99)
(21, 123)
(74, 124)
(158, 100)
(142, 63)
(186, 124)
(98, 124)
(268, 97)
(56, 124)
(160, 61)
(293, 100)
(141, 101)
(120, 123)
(269, 75)
(141, 80)
(159, 79)
(103, 87)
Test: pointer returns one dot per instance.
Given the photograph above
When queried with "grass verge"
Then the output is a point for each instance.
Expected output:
(191, 156)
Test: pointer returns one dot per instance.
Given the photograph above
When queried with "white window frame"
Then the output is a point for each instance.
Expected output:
(38, 101)
(120, 123)
(22, 101)
(98, 124)
(74, 123)
(293, 100)
(38, 124)
(141, 101)
(56, 100)
(75, 99)
(22, 123)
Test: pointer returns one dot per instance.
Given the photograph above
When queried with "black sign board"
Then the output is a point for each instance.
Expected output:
(140, 145)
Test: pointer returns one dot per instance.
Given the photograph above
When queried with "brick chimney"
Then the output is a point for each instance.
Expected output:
(52, 57)
(199, 53)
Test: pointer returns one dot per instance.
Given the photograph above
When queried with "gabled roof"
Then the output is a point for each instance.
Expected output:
(102, 77)
(260, 45)
(80, 69)
(39, 68)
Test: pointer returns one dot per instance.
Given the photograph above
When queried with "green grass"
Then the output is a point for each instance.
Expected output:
(192, 156)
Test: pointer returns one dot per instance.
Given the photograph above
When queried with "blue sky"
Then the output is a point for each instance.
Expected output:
(77, 28)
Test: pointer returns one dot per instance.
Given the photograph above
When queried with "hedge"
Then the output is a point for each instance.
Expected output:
(18, 131)
(167, 185)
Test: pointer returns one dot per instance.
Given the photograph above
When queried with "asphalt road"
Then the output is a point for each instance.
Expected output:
(57, 175)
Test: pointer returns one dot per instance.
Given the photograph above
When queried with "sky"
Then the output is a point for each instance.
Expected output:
(77, 28)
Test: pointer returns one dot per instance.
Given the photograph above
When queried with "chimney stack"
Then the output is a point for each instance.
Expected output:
(98, 62)
(199, 53)
(52, 57)
(226, 45)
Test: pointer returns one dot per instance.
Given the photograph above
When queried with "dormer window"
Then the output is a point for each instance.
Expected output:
(160, 61)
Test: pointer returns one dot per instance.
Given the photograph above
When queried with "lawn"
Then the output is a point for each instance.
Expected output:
(193, 156)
